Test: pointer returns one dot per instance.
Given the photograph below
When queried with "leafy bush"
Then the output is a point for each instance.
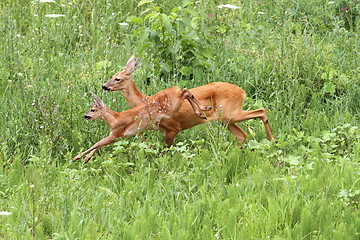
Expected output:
(175, 41)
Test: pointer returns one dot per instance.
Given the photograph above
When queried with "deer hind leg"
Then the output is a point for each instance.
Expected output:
(238, 132)
(195, 104)
(169, 138)
(258, 113)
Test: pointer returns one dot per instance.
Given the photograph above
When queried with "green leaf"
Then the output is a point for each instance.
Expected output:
(143, 47)
(165, 68)
(207, 52)
(186, 70)
(142, 2)
(194, 22)
(192, 12)
(167, 23)
(329, 87)
(144, 34)
(188, 3)
(174, 10)
(153, 14)
(134, 19)
(327, 136)
(293, 160)
(102, 64)
(353, 130)
(107, 191)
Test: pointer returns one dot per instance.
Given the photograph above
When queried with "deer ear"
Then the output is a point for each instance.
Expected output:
(131, 64)
(98, 100)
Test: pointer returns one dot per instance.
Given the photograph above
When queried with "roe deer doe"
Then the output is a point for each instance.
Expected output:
(226, 100)
(145, 116)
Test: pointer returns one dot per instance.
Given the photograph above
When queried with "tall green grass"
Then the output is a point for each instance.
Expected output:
(298, 59)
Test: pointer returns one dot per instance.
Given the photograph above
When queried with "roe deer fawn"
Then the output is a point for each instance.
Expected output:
(145, 116)
(226, 100)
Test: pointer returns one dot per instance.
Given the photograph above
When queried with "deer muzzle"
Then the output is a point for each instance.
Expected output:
(105, 88)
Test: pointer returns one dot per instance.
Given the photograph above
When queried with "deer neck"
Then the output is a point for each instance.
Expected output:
(119, 120)
(110, 117)
(132, 94)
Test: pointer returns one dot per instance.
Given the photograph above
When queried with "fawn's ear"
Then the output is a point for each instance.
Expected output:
(131, 64)
(98, 100)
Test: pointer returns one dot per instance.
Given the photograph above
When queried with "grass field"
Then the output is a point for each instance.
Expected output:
(298, 59)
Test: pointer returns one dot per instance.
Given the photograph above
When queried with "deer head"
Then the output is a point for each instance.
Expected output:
(122, 78)
(96, 110)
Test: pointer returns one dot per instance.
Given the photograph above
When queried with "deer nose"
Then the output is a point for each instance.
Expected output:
(87, 117)
(105, 88)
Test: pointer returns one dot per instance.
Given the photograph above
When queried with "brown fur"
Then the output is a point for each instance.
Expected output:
(226, 100)
(145, 116)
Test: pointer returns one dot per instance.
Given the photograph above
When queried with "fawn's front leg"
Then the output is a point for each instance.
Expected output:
(105, 141)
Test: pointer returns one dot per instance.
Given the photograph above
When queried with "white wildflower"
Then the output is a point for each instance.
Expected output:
(228, 6)
(123, 24)
(54, 15)
(5, 213)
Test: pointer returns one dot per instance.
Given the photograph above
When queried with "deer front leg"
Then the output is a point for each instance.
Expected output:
(89, 155)
(105, 141)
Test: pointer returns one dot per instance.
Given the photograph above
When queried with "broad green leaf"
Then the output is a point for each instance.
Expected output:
(207, 52)
(144, 34)
(143, 47)
(107, 191)
(134, 19)
(142, 2)
(191, 11)
(188, 3)
(165, 68)
(175, 10)
(293, 160)
(327, 136)
(329, 87)
(186, 70)
(353, 130)
(102, 64)
(173, 15)
(194, 22)
(167, 23)
(153, 14)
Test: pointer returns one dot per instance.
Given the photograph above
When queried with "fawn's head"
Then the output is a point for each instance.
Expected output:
(120, 80)
(96, 110)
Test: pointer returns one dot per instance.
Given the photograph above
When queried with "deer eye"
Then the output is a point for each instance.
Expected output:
(92, 110)
(117, 79)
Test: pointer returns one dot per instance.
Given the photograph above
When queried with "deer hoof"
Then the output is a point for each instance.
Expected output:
(201, 115)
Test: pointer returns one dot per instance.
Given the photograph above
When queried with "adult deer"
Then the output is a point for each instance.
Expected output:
(145, 116)
(226, 100)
